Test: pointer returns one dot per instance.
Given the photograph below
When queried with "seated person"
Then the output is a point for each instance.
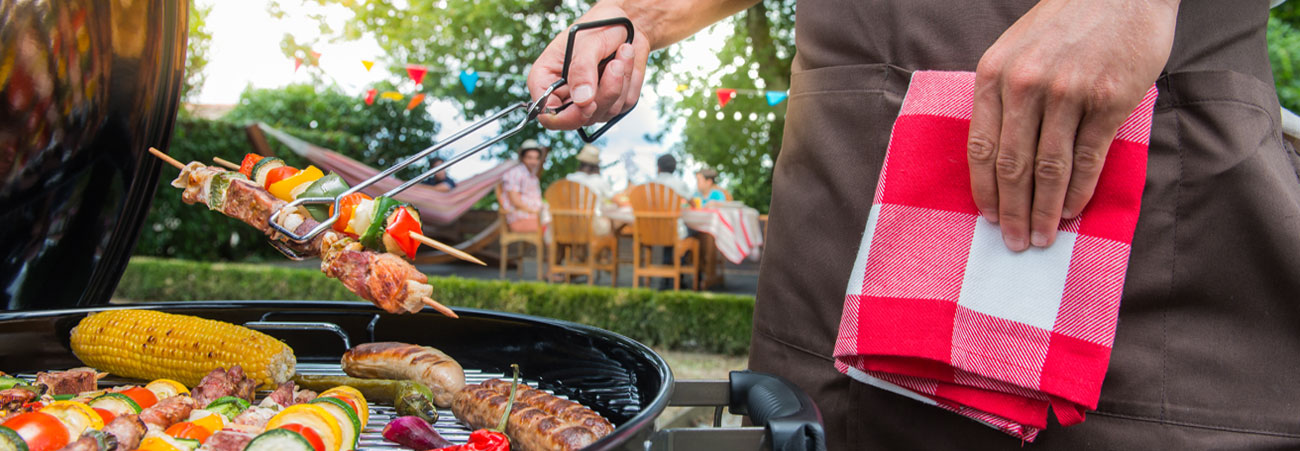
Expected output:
(588, 175)
(439, 181)
(707, 183)
(667, 165)
(522, 190)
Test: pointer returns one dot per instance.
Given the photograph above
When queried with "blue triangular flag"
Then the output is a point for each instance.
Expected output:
(776, 97)
(469, 80)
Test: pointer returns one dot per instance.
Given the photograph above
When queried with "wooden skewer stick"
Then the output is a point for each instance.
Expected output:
(167, 158)
(227, 163)
(445, 248)
(439, 307)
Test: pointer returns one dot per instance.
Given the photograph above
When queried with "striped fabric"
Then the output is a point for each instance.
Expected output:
(938, 310)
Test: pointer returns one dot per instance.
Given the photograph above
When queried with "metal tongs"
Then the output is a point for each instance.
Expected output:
(534, 109)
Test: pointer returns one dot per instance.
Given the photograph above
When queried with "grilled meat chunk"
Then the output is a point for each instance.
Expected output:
(168, 411)
(221, 383)
(529, 428)
(128, 430)
(70, 382)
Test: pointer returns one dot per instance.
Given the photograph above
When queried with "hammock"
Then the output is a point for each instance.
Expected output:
(435, 207)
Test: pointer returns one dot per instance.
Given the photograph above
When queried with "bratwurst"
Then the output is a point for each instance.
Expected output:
(539, 421)
(392, 360)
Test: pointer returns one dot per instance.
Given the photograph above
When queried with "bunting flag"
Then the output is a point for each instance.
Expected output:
(391, 95)
(297, 62)
(775, 98)
(416, 72)
(369, 64)
(315, 58)
(724, 96)
(370, 96)
(682, 87)
(469, 80)
(415, 101)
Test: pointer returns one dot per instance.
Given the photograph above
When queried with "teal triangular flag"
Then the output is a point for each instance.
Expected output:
(469, 80)
(776, 97)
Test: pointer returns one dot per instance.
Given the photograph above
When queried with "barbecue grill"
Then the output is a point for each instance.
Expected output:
(87, 86)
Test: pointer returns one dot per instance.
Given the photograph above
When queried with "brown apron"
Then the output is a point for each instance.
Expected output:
(1207, 354)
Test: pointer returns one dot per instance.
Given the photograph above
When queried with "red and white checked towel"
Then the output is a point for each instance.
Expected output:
(937, 308)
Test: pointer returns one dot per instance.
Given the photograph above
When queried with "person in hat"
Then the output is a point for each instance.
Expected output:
(588, 173)
(440, 181)
(707, 191)
(522, 190)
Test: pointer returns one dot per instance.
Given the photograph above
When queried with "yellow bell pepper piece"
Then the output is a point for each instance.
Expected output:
(284, 189)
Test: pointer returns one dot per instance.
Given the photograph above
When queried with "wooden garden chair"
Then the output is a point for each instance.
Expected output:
(508, 237)
(573, 236)
(657, 209)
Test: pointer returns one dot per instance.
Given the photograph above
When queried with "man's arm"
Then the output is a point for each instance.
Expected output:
(599, 96)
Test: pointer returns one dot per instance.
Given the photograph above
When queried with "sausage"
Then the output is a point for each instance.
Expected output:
(530, 428)
(566, 410)
(392, 360)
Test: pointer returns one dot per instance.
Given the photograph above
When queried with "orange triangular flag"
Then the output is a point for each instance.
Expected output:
(315, 58)
(416, 72)
(724, 96)
(368, 64)
(415, 101)
(297, 62)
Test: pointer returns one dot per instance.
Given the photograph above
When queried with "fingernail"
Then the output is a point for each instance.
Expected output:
(627, 52)
(615, 68)
(1067, 214)
(582, 93)
(990, 216)
(1013, 243)
(1038, 239)
(587, 112)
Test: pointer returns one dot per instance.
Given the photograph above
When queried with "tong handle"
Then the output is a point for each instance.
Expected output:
(568, 57)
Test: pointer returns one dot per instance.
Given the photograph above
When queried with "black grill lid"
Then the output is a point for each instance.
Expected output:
(76, 180)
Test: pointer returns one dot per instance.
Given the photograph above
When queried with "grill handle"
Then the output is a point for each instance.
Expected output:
(302, 325)
(790, 418)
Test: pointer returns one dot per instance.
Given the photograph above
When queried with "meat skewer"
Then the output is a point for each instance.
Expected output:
(382, 278)
(416, 236)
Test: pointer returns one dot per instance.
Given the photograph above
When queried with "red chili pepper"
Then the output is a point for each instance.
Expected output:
(491, 439)
(400, 230)
(246, 167)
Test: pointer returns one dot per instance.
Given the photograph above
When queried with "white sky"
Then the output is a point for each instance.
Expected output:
(245, 50)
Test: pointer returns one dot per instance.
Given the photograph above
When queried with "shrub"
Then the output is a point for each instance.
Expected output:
(680, 320)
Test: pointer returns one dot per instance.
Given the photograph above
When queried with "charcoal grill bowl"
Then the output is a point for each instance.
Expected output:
(621, 379)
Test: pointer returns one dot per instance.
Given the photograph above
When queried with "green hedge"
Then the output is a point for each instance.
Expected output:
(680, 320)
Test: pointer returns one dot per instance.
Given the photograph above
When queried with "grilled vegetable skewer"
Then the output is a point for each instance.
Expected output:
(384, 279)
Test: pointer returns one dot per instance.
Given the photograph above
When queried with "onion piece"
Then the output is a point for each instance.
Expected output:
(414, 433)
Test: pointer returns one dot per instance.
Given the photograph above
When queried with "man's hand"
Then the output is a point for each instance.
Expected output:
(1049, 97)
(597, 96)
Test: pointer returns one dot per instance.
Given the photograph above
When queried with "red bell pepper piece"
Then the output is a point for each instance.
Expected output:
(349, 205)
(246, 167)
(402, 224)
(278, 174)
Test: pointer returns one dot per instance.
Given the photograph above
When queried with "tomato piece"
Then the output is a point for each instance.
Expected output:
(41, 431)
(189, 430)
(142, 396)
(348, 204)
(104, 414)
(246, 167)
(401, 225)
(308, 433)
(278, 174)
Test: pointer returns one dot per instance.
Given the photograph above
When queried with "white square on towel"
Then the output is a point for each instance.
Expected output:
(1020, 286)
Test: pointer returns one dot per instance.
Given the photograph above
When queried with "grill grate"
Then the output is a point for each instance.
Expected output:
(372, 437)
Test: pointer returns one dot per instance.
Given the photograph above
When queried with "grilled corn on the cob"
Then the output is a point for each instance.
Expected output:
(148, 344)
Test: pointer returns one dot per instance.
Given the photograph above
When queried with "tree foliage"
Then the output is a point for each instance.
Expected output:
(1284, 53)
(743, 139)
(378, 135)
(196, 50)
(499, 38)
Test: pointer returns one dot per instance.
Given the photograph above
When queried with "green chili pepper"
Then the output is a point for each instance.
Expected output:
(410, 398)
(7, 382)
